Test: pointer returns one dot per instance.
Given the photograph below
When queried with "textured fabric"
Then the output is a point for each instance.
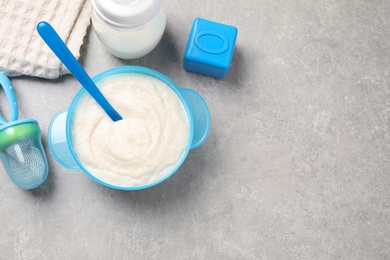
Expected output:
(22, 51)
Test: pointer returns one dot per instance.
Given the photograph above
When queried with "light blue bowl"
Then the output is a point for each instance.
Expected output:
(60, 137)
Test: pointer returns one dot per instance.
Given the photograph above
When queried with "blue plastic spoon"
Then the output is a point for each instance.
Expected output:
(53, 40)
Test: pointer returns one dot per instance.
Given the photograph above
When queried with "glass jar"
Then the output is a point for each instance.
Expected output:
(129, 29)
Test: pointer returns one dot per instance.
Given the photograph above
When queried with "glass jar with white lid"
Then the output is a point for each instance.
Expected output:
(129, 29)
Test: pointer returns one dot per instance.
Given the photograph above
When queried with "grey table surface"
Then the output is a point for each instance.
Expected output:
(296, 165)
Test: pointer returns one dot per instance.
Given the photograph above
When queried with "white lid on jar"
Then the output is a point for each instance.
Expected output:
(127, 14)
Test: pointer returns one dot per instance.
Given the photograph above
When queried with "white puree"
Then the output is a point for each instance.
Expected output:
(142, 147)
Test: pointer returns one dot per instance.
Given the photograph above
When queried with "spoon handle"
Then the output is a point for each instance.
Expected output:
(53, 40)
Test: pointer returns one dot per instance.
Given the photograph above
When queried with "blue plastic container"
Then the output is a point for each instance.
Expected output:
(210, 48)
(60, 137)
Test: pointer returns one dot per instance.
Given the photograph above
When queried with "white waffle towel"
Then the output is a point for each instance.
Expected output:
(22, 51)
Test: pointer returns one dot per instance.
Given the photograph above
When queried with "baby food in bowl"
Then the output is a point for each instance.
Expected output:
(160, 124)
(141, 148)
